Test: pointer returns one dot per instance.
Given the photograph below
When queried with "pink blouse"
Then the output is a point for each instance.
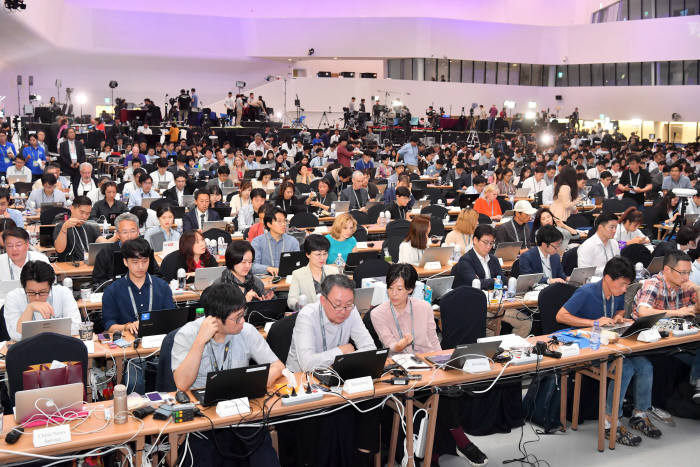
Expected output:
(425, 338)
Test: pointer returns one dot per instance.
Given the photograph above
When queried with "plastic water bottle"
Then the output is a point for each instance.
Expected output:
(639, 272)
(105, 228)
(340, 263)
(333, 209)
(301, 303)
(497, 291)
(3, 182)
(595, 336)
(512, 286)
(476, 283)
(380, 219)
(182, 280)
(13, 191)
(221, 246)
(199, 313)
(447, 219)
(387, 217)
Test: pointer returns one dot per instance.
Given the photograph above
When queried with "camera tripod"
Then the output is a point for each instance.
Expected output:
(679, 219)
(324, 119)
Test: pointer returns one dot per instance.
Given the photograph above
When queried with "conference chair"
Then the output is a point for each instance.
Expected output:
(370, 268)
(617, 206)
(515, 268)
(48, 216)
(637, 253)
(631, 292)
(483, 219)
(23, 187)
(157, 204)
(569, 260)
(392, 245)
(418, 193)
(398, 228)
(216, 234)
(279, 337)
(435, 195)
(361, 234)
(303, 219)
(164, 374)
(549, 301)
(4, 335)
(437, 228)
(504, 204)
(435, 211)
(302, 188)
(419, 184)
(361, 217)
(373, 213)
(579, 220)
(460, 324)
(367, 321)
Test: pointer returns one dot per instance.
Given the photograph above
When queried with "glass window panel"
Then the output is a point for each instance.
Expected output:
(635, 9)
(479, 69)
(406, 68)
(584, 75)
(690, 74)
(647, 9)
(573, 75)
(646, 73)
(525, 70)
(597, 74)
(443, 69)
(635, 72)
(622, 74)
(490, 72)
(678, 8)
(560, 79)
(431, 69)
(455, 71)
(613, 11)
(622, 14)
(693, 7)
(502, 74)
(394, 68)
(608, 74)
(467, 71)
(514, 73)
(662, 73)
(594, 17)
(536, 79)
(676, 73)
(661, 8)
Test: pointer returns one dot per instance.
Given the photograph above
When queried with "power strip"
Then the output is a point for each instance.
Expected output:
(302, 398)
(525, 359)
(569, 350)
(419, 442)
(684, 332)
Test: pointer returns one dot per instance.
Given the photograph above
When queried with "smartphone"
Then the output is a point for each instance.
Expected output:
(104, 337)
(154, 396)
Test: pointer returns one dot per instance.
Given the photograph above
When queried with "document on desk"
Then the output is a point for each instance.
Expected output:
(410, 362)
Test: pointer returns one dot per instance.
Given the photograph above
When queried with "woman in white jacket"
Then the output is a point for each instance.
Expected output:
(307, 280)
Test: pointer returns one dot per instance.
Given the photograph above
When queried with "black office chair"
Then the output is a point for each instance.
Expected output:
(579, 220)
(397, 228)
(420, 184)
(303, 219)
(361, 217)
(515, 268)
(418, 193)
(549, 301)
(23, 187)
(42, 348)
(373, 213)
(435, 195)
(48, 216)
(370, 268)
(279, 337)
(4, 335)
(614, 205)
(155, 205)
(367, 321)
(462, 324)
(569, 260)
(662, 248)
(504, 204)
(435, 211)
(437, 228)
(637, 253)
(164, 375)
(314, 185)
(361, 234)
(392, 245)
(215, 234)
(302, 188)
(483, 219)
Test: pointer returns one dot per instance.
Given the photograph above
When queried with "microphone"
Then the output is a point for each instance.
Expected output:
(68, 283)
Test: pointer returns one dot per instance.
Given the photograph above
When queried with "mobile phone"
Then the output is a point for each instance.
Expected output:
(154, 396)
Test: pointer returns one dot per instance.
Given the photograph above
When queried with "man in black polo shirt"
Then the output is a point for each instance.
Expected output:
(635, 181)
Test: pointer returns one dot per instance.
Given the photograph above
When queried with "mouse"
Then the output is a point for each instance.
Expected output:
(14, 435)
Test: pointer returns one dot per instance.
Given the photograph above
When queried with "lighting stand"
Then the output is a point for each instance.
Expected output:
(19, 106)
(285, 118)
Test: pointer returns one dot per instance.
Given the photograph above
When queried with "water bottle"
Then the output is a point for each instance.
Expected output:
(199, 313)
(13, 190)
(301, 303)
(497, 291)
(428, 294)
(639, 272)
(512, 286)
(105, 228)
(221, 247)
(476, 283)
(387, 217)
(387, 255)
(595, 336)
(3, 183)
(447, 219)
(340, 263)
(182, 281)
(333, 209)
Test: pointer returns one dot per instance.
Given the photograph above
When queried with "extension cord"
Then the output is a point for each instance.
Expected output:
(302, 397)
(419, 441)
(525, 359)
(684, 332)
(355, 385)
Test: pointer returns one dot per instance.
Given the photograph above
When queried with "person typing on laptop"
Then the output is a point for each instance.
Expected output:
(195, 219)
(127, 228)
(47, 193)
(356, 194)
(599, 248)
(222, 340)
(17, 254)
(544, 258)
(145, 192)
(39, 299)
(72, 237)
(517, 229)
(604, 301)
(270, 245)
(248, 212)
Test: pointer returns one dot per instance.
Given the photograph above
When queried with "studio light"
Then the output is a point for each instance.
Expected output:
(278, 115)
(509, 104)
(396, 103)
(311, 51)
(81, 99)
(546, 139)
(34, 97)
(113, 84)
(532, 105)
(15, 5)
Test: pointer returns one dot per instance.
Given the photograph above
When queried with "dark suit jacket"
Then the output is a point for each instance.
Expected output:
(506, 234)
(597, 191)
(348, 195)
(171, 195)
(458, 182)
(215, 182)
(469, 267)
(530, 263)
(190, 221)
(64, 158)
(76, 184)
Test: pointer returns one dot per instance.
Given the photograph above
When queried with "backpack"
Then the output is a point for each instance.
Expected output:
(542, 402)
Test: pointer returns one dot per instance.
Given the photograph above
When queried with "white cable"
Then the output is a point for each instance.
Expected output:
(155, 443)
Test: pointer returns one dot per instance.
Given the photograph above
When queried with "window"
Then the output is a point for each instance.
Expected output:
(394, 68)
(693, 7)
(597, 74)
(479, 71)
(407, 68)
(561, 77)
(661, 8)
(467, 71)
(537, 72)
(573, 75)
(678, 8)
(502, 73)
(430, 69)
(608, 74)
(690, 72)
(662, 73)
(455, 71)
(584, 75)
(622, 74)
(647, 71)
(647, 9)
(525, 69)
(514, 73)
(676, 73)
(622, 14)
(635, 9)
(443, 70)
(418, 69)
(490, 73)
(635, 73)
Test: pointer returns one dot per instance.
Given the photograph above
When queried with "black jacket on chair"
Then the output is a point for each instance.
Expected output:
(469, 267)
(191, 222)
(65, 161)
(597, 191)
(171, 194)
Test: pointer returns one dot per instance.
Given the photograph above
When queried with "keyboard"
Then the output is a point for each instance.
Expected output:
(152, 342)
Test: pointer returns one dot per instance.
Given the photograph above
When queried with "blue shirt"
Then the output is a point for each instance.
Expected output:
(138, 195)
(344, 248)
(362, 165)
(33, 156)
(409, 154)
(130, 156)
(587, 302)
(264, 245)
(116, 303)
(5, 151)
(16, 216)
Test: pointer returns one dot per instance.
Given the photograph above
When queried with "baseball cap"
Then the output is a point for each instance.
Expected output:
(524, 206)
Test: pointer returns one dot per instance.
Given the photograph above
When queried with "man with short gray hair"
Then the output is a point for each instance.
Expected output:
(127, 228)
(85, 185)
(356, 194)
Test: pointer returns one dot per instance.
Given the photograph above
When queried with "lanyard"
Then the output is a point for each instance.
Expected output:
(150, 297)
(80, 238)
(9, 266)
(605, 252)
(515, 230)
(668, 294)
(635, 184)
(466, 245)
(546, 266)
(215, 364)
(323, 328)
(398, 328)
(605, 303)
(269, 246)
(359, 205)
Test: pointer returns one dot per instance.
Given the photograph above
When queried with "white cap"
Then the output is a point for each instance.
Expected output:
(524, 206)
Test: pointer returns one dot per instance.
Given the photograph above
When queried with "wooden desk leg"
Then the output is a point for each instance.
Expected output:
(577, 401)
(394, 436)
(617, 385)
(431, 406)
(174, 440)
(602, 391)
(140, 441)
(408, 413)
(563, 384)
(119, 368)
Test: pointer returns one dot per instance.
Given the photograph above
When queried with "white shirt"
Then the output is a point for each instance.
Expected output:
(229, 103)
(546, 264)
(533, 186)
(158, 178)
(622, 234)
(84, 189)
(24, 172)
(548, 195)
(60, 298)
(485, 264)
(144, 131)
(71, 149)
(201, 221)
(257, 147)
(592, 173)
(409, 254)
(9, 271)
(692, 208)
(592, 252)
(129, 188)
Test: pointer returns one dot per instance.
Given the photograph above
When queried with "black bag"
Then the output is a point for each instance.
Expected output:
(542, 402)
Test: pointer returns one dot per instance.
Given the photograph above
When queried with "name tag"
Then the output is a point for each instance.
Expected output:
(169, 247)
(52, 435)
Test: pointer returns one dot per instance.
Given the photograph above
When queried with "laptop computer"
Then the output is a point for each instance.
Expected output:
(227, 190)
(342, 206)
(44, 206)
(526, 282)
(208, 225)
(12, 179)
(440, 286)
(359, 257)
(163, 186)
(154, 325)
(224, 211)
(146, 202)
(438, 253)
(203, 277)
(187, 200)
(94, 249)
(467, 199)
(290, 261)
(359, 364)
(46, 235)
(522, 193)
(579, 276)
(35, 404)
(260, 312)
(363, 299)
(645, 322)
(57, 325)
(223, 385)
(656, 265)
(420, 204)
(462, 353)
(508, 251)
(178, 211)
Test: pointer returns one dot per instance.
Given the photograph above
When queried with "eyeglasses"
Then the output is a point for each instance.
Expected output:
(682, 273)
(489, 244)
(237, 319)
(41, 293)
(15, 246)
(346, 307)
(319, 254)
(280, 221)
(555, 245)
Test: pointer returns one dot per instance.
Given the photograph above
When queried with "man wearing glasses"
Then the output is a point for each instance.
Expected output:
(16, 242)
(127, 228)
(270, 245)
(672, 292)
(600, 248)
(39, 299)
(544, 258)
(222, 340)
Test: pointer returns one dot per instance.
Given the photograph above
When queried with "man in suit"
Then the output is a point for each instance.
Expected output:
(180, 189)
(479, 263)
(195, 219)
(71, 154)
(222, 179)
(459, 177)
(356, 194)
(544, 258)
(603, 189)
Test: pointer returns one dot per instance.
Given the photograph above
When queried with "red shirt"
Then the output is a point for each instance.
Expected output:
(344, 156)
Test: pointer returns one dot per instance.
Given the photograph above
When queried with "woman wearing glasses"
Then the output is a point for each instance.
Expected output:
(38, 299)
(306, 281)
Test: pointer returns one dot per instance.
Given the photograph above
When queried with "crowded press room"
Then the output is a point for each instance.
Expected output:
(366, 244)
